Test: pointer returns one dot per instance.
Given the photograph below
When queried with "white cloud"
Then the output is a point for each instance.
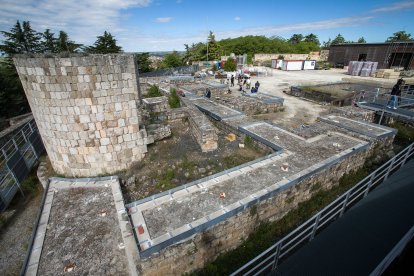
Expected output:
(395, 7)
(82, 20)
(162, 42)
(307, 26)
(237, 18)
(163, 19)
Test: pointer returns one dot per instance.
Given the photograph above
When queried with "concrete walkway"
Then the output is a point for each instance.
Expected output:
(359, 241)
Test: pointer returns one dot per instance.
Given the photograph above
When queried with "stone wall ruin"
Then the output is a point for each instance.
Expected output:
(86, 110)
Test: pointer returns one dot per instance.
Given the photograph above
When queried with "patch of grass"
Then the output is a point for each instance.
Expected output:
(268, 233)
(30, 186)
(165, 182)
(248, 141)
(235, 160)
(187, 165)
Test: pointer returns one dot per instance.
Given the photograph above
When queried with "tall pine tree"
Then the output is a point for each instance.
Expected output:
(213, 47)
(105, 44)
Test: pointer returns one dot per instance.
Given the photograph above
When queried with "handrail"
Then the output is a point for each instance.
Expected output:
(288, 243)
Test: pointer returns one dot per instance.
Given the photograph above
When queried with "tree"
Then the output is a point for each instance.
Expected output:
(312, 38)
(172, 60)
(326, 44)
(339, 39)
(64, 44)
(105, 44)
(230, 65)
(213, 48)
(361, 40)
(49, 42)
(21, 39)
(296, 38)
(399, 36)
(13, 101)
(144, 63)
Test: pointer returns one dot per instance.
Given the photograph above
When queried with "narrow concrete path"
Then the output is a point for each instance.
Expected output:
(359, 241)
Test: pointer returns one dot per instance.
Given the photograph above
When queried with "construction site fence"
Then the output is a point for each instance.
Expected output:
(17, 157)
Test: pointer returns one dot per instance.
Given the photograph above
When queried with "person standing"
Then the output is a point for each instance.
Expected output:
(395, 94)
(257, 85)
(232, 80)
(248, 81)
(208, 93)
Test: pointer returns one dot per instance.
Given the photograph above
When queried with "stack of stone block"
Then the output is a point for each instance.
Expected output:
(86, 110)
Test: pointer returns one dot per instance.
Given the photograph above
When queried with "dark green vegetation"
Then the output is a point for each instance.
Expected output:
(105, 44)
(267, 233)
(153, 92)
(230, 65)
(405, 134)
(173, 99)
(144, 64)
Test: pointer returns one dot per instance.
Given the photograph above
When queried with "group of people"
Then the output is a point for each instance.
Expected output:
(243, 82)
(395, 94)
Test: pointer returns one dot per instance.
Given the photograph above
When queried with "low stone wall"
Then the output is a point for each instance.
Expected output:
(158, 131)
(250, 104)
(177, 114)
(354, 113)
(199, 89)
(202, 129)
(156, 104)
(204, 247)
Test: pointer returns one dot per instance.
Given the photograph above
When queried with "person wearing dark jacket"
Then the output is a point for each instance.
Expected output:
(208, 93)
(395, 94)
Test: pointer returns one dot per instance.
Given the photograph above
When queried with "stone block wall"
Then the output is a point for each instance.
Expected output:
(86, 111)
(250, 105)
(202, 129)
(204, 247)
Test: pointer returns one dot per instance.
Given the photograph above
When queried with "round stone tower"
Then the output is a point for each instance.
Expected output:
(86, 110)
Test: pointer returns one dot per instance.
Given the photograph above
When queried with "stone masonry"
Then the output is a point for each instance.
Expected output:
(86, 110)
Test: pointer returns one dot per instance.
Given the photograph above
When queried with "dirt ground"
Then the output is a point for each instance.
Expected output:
(15, 236)
(178, 160)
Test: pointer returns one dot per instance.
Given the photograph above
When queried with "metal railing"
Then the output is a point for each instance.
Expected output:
(405, 100)
(269, 259)
(17, 156)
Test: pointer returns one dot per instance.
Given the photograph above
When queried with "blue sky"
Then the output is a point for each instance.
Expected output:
(164, 25)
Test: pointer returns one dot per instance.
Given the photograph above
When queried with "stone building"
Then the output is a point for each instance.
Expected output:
(86, 110)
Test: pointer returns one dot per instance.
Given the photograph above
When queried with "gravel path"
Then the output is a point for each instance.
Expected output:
(14, 239)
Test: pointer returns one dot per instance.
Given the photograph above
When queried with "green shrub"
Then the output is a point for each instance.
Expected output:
(248, 141)
(153, 92)
(173, 99)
